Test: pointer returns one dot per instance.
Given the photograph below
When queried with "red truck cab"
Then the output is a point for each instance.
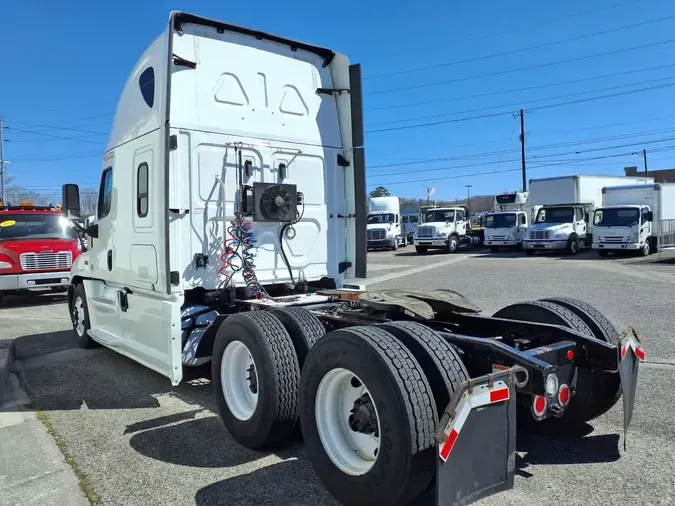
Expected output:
(37, 248)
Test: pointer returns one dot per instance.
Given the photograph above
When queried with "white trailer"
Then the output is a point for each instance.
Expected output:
(638, 218)
(563, 222)
(231, 145)
(384, 223)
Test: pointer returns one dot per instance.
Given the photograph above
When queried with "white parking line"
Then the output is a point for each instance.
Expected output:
(415, 270)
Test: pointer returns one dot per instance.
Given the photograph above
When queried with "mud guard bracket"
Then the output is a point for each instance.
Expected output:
(477, 439)
(630, 354)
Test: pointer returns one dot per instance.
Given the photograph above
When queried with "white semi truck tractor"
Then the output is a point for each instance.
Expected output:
(231, 219)
(564, 220)
(635, 218)
(384, 224)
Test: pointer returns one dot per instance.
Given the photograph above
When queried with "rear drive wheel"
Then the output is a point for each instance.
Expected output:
(255, 378)
(303, 327)
(79, 315)
(600, 389)
(588, 400)
(368, 417)
(440, 362)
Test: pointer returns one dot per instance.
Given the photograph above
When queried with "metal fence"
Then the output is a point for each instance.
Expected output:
(667, 238)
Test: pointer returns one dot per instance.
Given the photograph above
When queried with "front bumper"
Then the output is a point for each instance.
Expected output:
(437, 242)
(383, 243)
(614, 246)
(545, 245)
(35, 281)
(490, 242)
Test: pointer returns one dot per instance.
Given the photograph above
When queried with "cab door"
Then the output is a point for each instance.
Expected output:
(460, 222)
(580, 224)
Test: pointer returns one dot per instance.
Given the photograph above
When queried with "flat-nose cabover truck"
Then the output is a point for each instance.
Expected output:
(231, 220)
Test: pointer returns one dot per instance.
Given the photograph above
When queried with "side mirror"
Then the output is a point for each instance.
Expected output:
(587, 217)
(649, 216)
(71, 201)
(92, 230)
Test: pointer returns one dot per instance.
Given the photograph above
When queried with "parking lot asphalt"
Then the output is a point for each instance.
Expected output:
(136, 440)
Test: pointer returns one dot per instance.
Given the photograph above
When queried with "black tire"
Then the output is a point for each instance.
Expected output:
(278, 377)
(598, 391)
(453, 244)
(494, 249)
(573, 244)
(83, 339)
(645, 251)
(529, 252)
(407, 413)
(304, 328)
(422, 250)
(440, 362)
(581, 408)
(602, 252)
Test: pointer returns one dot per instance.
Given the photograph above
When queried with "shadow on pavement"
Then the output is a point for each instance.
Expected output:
(32, 299)
(292, 482)
(200, 442)
(33, 345)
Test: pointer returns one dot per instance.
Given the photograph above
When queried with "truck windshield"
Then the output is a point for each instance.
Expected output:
(555, 215)
(381, 218)
(20, 226)
(617, 217)
(439, 215)
(500, 221)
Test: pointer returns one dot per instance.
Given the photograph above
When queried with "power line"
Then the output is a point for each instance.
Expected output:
(492, 172)
(80, 139)
(52, 127)
(67, 156)
(517, 104)
(521, 69)
(516, 90)
(519, 30)
(471, 118)
(532, 158)
(532, 148)
(516, 51)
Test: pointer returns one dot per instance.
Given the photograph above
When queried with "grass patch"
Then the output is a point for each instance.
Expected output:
(85, 484)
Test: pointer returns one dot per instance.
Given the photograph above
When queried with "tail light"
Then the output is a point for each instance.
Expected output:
(564, 395)
(539, 405)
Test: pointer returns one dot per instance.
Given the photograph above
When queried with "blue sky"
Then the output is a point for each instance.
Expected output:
(65, 64)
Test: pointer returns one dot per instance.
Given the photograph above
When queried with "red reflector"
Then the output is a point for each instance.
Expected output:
(499, 395)
(570, 354)
(623, 351)
(539, 405)
(640, 353)
(564, 395)
(447, 446)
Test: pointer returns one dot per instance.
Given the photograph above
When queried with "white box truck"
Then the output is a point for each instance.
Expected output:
(507, 225)
(563, 222)
(232, 208)
(384, 223)
(638, 218)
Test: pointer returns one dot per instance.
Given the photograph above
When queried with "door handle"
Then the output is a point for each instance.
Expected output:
(110, 260)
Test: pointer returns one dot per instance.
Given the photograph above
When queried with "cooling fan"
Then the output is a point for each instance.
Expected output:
(275, 202)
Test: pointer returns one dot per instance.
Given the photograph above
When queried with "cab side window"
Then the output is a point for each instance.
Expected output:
(523, 219)
(579, 214)
(105, 194)
(644, 215)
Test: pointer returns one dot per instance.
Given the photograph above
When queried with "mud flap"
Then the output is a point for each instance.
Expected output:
(630, 354)
(477, 439)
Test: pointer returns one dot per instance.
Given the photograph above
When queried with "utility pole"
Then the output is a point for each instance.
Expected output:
(644, 155)
(522, 148)
(468, 200)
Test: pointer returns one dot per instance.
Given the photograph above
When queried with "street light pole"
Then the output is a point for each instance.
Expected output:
(468, 199)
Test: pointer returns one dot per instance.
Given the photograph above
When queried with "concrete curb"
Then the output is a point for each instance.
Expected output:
(6, 363)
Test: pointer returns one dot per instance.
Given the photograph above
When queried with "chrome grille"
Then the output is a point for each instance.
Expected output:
(425, 232)
(616, 239)
(539, 234)
(44, 261)
(376, 235)
(497, 238)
